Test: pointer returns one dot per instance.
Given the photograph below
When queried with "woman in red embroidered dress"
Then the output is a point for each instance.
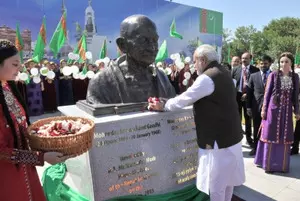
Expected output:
(18, 175)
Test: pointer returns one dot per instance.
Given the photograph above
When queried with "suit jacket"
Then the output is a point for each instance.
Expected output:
(237, 72)
(175, 82)
(255, 92)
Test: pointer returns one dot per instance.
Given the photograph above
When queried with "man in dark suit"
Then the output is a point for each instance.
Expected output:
(235, 62)
(255, 96)
(242, 74)
(174, 78)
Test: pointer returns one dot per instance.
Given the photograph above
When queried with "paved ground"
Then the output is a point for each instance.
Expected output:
(259, 186)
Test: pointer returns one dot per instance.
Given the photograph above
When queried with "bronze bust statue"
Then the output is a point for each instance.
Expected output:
(131, 78)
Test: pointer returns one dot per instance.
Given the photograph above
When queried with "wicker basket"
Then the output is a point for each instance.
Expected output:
(76, 144)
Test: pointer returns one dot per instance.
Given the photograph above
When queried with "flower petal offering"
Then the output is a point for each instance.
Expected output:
(62, 127)
(64, 134)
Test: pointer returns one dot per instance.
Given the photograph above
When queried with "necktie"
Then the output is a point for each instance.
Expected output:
(244, 79)
(264, 78)
(173, 75)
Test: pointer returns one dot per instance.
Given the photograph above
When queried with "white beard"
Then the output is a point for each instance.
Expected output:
(199, 72)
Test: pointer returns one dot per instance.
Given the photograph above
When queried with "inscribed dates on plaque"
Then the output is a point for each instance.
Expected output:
(150, 155)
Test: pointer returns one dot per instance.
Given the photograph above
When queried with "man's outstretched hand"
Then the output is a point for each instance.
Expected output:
(156, 104)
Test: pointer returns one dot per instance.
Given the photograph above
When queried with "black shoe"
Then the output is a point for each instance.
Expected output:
(269, 172)
(294, 151)
(252, 152)
(250, 142)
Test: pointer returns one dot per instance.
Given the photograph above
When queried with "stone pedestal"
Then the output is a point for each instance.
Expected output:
(135, 153)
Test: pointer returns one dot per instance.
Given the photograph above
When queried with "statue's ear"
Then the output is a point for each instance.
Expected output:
(121, 42)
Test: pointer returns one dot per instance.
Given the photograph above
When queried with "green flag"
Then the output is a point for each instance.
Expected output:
(84, 70)
(59, 36)
(211, 22)
(80, 49)
(297, 56)
(173, 31)
(40, 45)
(19, 42)
(162, 52)
(103, 51)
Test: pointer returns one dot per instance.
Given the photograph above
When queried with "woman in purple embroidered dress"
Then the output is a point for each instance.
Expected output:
(280, 102)
(34, 94)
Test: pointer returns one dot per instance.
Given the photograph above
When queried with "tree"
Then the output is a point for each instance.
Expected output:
(192, 45)
(282, 44)
(259, 44)
(226, 40)
(227, 36)
(282, 35)
(287, 26)
(278, 36)
(244, 38)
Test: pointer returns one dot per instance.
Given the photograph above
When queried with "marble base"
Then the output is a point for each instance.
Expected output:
(135, 153)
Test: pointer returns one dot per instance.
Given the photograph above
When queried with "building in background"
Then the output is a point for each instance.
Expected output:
(93, 40)
(10, 34)
(90, 25)
(101, 20)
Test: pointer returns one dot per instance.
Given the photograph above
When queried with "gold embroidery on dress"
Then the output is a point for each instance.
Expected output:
(13, 107)
(286, 82)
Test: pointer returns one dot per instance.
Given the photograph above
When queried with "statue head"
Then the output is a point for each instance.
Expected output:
(138, 39)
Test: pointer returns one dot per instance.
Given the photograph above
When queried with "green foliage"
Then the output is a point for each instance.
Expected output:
(227, 37)
(280, 35)
(286, 26)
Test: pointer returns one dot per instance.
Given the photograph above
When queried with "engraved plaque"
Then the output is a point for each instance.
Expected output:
(143, 153)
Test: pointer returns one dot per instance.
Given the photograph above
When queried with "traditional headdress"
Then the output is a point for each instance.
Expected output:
(7, 49)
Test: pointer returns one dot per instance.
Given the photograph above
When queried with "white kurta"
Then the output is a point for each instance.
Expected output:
(218, 168)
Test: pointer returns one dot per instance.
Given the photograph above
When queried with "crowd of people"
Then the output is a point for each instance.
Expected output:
(267, 96)
(269, 101)
(46, 95)
(62, 89)
(268, 104)
(265, 106)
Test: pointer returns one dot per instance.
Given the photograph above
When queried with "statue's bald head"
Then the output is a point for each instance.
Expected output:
(135, 24)
(139, 38)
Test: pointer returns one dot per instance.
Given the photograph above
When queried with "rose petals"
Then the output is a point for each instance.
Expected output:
(64, 127)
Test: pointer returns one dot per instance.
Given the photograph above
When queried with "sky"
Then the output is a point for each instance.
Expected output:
(243, 13)
(109, 15)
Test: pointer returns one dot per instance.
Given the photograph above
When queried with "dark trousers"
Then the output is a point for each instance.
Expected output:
(243, 107)
(256, 125)
(296, 136)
